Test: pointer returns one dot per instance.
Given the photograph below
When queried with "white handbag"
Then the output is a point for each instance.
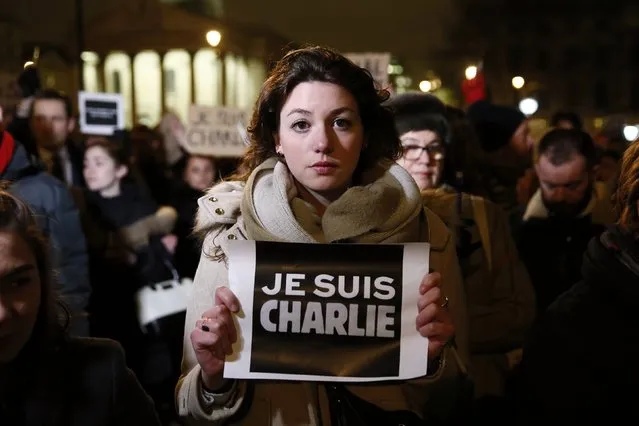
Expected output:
(160, 300)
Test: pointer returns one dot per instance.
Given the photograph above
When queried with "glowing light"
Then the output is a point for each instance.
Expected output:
(528, 106)
(518, 82)
(630, 133)
(213, 38)
(471, 72)
(28, 64)
(425, 86)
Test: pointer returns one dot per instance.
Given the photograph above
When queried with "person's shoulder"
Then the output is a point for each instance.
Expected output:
(43, 189)
(438, 232)
(94, 348)
(220, 206)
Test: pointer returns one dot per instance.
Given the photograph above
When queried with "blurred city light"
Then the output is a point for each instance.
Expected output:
(471, 72)
(28, 64)
(425, 86)
(213, 38)
(528, 106)
(518, 82)
(631, 133)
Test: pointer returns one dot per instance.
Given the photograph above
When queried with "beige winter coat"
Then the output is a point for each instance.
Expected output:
(500, 296)
(290, 403)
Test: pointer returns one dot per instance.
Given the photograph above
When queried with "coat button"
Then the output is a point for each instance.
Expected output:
(213, 199)
(219, 211)
(232, 237)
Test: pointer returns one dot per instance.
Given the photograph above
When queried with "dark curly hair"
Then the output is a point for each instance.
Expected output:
(323, 65)
(627, 195)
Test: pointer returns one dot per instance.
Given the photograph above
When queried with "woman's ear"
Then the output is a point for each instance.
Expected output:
(121, 172)
(278, 147)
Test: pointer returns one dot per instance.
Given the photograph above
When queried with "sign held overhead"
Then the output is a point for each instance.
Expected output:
(213, 131)
(101, 113)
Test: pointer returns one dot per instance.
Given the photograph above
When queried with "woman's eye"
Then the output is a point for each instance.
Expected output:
(343, 123)
(301, 125)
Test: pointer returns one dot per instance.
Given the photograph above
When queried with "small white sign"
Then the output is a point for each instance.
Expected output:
(376, 63)
(101, 113)
(213, 131)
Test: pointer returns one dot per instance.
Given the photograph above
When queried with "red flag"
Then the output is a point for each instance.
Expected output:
(474, 90)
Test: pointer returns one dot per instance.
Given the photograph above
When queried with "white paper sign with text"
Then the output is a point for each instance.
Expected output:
(214, 131)
(327, 312)
(100, 113)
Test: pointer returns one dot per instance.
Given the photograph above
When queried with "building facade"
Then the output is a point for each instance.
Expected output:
(155, 53)
(159, 59)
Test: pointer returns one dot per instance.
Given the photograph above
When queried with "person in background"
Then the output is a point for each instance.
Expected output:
(28, 84)
(131, 247)
(198, 176)
(51, 121)
(500, 297)
(506, 155)
(48, 378)
(567, 211)
(59, 219)
(149, 158)
(565, 377)
(566, 120)
(608, 166)
(173, 134)
(322, 146)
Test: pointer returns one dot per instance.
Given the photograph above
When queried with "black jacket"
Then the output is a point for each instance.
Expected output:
(86, 383)
(59, 218)
(581, 361)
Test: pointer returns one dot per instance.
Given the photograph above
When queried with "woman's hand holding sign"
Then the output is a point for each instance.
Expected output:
(433, 319)
(213, 337)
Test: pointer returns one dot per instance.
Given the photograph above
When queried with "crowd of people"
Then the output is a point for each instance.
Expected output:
(532, 256)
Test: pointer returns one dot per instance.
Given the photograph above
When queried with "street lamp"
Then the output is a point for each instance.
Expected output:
(518, 82)
(471, 72)
(213, 38)
(528, 106)
(425, 86)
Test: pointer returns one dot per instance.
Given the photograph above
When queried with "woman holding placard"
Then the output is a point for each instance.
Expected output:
(322, 148)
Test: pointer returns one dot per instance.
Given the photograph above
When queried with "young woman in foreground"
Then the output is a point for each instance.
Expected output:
(320, 169)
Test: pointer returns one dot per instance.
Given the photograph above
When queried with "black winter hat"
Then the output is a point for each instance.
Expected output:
(415, 111)
(495, 124)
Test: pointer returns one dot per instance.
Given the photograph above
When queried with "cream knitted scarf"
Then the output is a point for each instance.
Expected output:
(385, 208)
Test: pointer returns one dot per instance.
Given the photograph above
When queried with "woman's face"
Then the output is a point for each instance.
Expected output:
(423, 157)
(20, 294)
(199, 173)
(101, 172)
(321, 137)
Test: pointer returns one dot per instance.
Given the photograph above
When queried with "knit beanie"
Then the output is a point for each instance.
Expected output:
(495, 124)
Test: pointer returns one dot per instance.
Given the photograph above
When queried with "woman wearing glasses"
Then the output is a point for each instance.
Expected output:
(501, 302)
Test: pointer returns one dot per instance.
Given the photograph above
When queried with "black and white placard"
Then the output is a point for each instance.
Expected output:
(327, 312)
(100, 113)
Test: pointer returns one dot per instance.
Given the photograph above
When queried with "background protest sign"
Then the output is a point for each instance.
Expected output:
(214, 131)
(375, 63)
(327, 312)
(100, 113)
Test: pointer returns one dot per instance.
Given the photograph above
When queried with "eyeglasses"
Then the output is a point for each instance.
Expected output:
(413, 152)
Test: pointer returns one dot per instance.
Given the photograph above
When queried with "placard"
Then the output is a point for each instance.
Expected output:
(213, 131)
(101, 113)
(327, 312)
